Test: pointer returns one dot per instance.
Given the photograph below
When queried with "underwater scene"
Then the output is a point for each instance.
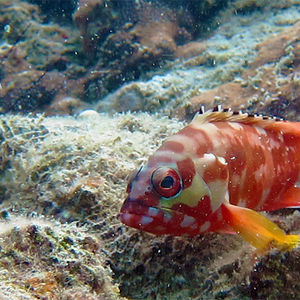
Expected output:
(149, 149)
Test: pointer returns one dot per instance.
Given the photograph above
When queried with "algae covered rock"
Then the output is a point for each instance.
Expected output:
(274, 277)
(70, 169)
(270, 84)
(104, 53)
(250, 62)
(51, 260)
(33, 57)
(66, 166)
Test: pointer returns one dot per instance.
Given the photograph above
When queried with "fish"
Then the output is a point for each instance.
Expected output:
(218, 174)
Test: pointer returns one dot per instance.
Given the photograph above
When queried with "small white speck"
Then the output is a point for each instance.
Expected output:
(7, 28)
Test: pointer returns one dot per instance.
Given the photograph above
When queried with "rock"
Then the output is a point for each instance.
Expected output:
(222, 69)
(121, 41)
(50, 260)
(33, 58)
(190, 50)
(269, 85)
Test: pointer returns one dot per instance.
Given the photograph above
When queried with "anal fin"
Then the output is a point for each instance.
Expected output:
(257, 229)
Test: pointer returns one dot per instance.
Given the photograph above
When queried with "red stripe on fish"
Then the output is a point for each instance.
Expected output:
(187, 171)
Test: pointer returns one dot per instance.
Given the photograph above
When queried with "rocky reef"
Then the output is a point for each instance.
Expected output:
(87, 49)
(249, 63)
(77, 184)
(66, 56)
(63, 180)
(43, 259)
(271, 82)
(108, 64)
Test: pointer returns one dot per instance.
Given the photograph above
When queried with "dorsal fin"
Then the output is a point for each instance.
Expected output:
(219, 114)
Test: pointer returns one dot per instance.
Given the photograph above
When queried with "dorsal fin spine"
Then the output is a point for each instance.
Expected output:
(219, 114)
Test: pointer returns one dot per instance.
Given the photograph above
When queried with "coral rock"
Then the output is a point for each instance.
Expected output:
(270, 84)
(190, 50)
(50, 261)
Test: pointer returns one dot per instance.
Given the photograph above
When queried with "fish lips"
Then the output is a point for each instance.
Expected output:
(142, 217)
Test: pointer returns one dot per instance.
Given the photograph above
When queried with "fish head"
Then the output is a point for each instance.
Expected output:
(167, 198)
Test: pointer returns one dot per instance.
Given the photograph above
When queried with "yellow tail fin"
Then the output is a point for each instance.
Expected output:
(258, 230)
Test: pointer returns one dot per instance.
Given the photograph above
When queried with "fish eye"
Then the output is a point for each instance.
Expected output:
(166, 182)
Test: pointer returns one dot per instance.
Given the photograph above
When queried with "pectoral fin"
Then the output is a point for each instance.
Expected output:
(257, 229)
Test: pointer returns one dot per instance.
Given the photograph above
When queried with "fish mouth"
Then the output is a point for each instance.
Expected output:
(148, 218)
(140, 216)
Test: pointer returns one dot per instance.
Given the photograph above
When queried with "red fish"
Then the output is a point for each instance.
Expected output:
(215, 174)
